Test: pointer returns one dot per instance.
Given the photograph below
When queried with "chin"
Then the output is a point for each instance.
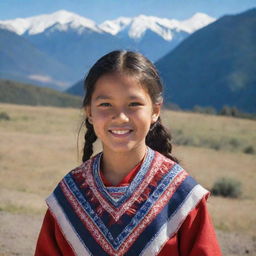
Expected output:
(123, 148)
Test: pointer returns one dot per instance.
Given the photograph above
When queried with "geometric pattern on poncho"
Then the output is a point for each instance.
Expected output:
(129, 220)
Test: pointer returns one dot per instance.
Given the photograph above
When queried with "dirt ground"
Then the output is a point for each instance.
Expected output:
(19, 233)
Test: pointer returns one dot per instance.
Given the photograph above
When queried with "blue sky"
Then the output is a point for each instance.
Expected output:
(100, 10)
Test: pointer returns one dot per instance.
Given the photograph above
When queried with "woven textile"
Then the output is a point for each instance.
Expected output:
(131, 220)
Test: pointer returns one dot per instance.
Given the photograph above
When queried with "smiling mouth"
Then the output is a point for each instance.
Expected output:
(120, 132)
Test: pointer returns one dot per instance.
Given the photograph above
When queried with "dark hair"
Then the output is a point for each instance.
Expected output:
(135, 64)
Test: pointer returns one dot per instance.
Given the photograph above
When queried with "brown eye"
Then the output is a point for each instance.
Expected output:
(134, 104)
(104, 104)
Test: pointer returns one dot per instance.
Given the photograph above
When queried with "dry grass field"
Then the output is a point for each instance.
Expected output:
(39, 145)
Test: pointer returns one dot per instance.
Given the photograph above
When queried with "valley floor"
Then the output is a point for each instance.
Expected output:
(38, 146)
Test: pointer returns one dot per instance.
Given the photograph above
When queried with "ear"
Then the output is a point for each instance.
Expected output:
(156, 112)
(88, 114)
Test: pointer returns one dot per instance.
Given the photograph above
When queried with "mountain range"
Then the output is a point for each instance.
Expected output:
(215, 66)
(74, 43)
(20, 60)
(201, 61)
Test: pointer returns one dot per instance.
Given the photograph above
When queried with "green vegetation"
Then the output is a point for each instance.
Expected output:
(249, 150)
(227, 187)
(25, 94)
(4, 116)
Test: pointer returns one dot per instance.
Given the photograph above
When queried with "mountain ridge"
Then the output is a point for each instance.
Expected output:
(215, 66)
(23, 60)
(138, 25)
(74, 43)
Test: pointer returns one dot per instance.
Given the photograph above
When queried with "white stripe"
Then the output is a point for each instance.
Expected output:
(67, 229)
(173, 225)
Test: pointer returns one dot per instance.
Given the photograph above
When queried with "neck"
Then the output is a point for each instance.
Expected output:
(116, 165)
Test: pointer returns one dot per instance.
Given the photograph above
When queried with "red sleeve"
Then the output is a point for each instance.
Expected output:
(51, 240)
(196, 235)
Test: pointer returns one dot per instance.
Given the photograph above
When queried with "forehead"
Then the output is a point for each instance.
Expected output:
(119, 85)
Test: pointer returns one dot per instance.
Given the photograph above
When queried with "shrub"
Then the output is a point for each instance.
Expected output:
(227, 187)
(249, 150)
(4, 116)
(234, 142)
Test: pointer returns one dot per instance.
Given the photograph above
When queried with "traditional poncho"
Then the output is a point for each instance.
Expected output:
(129, 220)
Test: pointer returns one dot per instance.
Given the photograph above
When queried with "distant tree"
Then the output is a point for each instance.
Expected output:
(207, 110)
(210, 110)
(197, 109)
(234, 112)
(225, 111)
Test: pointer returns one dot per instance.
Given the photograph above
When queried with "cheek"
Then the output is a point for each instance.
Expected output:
(100, 115)
(144, 119)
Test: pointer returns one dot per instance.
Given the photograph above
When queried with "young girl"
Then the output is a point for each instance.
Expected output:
(133, 198)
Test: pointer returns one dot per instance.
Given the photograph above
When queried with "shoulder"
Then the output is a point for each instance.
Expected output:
(82, 170)
(76, 176)
(185, 183)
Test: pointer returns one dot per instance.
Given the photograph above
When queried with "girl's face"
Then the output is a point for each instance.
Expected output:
(121, 112)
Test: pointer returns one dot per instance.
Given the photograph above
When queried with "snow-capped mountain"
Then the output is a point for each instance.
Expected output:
(63, 20)
(137, 26)
(77, 42)
(38, 24)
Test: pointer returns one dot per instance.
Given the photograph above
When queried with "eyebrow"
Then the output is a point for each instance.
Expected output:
(105, 97)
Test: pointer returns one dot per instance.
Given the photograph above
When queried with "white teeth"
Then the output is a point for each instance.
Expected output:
(120, 131)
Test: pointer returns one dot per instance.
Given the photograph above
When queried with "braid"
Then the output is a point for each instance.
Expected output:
(159, 139)
(89, 138)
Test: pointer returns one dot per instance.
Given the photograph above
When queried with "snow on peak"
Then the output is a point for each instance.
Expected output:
(113, 27)
(38, 24)
(161, 26)
(135, 27)
(164, 27)
(197, 21)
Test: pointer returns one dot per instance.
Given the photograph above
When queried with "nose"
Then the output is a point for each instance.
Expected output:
(120, 115)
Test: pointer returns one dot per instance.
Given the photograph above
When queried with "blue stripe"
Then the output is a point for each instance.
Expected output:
(117, 233)
(83, 234)
(176, 202)
(146, 165)
(116, 189)
(134, 222)
(87, 207)
(150, 202)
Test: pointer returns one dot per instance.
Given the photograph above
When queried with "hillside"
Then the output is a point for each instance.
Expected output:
(58, 48)
(22, 61)
(215, 66)
(25, 94)
(77, 88)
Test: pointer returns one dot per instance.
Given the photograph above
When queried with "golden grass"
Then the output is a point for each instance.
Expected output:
(38, 146)
(206, 166)
(232, 134)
